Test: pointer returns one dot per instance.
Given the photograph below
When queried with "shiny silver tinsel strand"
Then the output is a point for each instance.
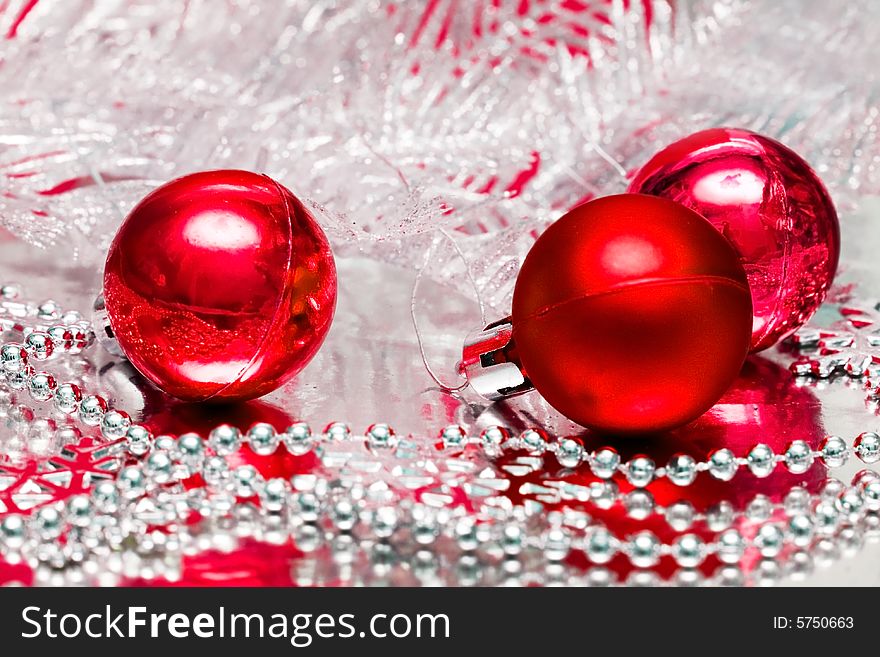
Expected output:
(397, 118)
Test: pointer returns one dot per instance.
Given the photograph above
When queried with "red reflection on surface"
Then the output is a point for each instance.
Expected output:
(253, 563)
(175, 418)
(764, 405)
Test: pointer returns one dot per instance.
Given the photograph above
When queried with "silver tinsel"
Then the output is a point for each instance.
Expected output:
(396, 119)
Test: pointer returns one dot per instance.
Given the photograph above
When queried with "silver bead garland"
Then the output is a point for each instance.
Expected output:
(323, 511)
(326, 510)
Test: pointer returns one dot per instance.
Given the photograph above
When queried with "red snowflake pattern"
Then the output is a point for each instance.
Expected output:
(35, 483)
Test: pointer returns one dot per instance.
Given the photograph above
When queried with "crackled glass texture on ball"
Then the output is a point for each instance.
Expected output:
(220, 286)
(770, 204)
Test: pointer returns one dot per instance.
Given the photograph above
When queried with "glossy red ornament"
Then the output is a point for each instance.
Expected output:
(220, 286)
(770, 204)
(631, 314)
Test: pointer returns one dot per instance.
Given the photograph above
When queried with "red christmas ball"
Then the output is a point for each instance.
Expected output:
(631, 314)
(770, 204)
(220, 286)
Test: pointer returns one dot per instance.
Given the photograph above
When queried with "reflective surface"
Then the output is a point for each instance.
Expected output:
(763, 404)
(220, 285)
(364, 380)
(631, 314)
(770, 204)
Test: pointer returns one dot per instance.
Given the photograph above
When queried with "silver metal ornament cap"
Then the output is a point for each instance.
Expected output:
(103, 331)
(490, 363)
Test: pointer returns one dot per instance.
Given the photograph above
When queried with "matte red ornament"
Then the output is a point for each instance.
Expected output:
(220, 286)
(770, 204)
(631, 314)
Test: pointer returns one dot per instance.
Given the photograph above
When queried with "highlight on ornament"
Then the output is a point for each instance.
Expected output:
(773, 208)
(631, 314)
(219, 286)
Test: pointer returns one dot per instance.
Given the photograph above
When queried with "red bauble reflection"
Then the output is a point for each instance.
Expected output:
(763, 405)
(770, 204)
(220, 285)
(176, 418)
(631, 314)
(252, 563)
